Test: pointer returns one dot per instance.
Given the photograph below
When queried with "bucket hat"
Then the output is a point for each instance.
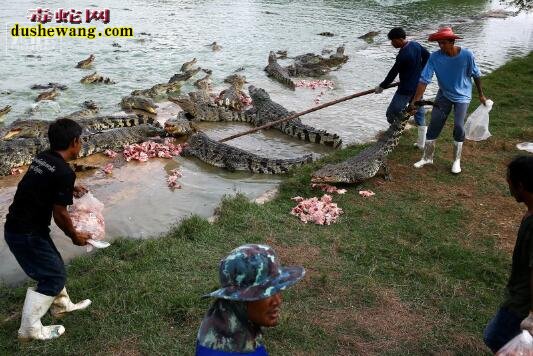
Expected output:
(252, 272)
(444, 33)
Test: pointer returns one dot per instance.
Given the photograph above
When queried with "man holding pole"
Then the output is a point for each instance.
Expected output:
(410, 61)
(46, 190)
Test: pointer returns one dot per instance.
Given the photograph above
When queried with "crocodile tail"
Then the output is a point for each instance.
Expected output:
(311, 134)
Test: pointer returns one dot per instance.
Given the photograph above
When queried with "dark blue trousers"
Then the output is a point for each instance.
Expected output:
(501, 329)
(40, 260)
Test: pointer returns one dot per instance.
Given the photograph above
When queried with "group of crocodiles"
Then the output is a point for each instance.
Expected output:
(307, 65)
(23, 139)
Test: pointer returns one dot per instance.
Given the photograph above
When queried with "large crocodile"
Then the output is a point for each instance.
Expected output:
(20, 129)
(233, 158)
(47, 95)
(368, 162)
(232, 97)
(96, 78)
(138, 102)
(264, 111)
(20, 151)
(197, 107)
(314, 65)
(158, 90)
(276, 71)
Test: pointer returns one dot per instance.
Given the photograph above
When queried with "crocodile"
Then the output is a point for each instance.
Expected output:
(188, 66)
(369, 36)
(232, 158)
(136, 102)
(90, 108)
(204, 82)
(6, 109)
(86, 63)
(49, 86)
(215, 46)
(198, 106)
(314, 65)
(367, 163)
(326, 34)
(39, 128)
(264, 111)
(96, 78)
(47, 95)
(158, 90)
(232, 97)
(281, 54)
(179, 126)
(232, 77)
(21, 151)
(276, 71)
(184, 76)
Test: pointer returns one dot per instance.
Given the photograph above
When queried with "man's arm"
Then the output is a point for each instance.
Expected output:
(477, 81)
(63, 221)
(420, 89)
(393, 72)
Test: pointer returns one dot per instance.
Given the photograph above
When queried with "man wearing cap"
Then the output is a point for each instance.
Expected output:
(251, 280)
(454, 67)
(410, 61)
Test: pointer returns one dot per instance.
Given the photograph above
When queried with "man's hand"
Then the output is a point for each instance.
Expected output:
(482, 99)
(411, 109)
(80, 238)
(79, 191)
(378, 90)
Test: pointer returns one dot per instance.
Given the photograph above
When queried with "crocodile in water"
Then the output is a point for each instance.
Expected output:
(276, 71)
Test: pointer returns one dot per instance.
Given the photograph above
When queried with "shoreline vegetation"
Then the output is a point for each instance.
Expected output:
(418, 268)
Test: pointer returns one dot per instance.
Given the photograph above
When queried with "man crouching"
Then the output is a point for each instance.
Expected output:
(46, 190)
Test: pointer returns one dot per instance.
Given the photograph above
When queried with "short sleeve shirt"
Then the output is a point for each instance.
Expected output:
(49, 181)
(518, 291)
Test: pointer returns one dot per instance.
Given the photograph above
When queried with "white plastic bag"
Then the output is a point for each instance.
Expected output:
(87, 216)
(520, 345)
(477, 124)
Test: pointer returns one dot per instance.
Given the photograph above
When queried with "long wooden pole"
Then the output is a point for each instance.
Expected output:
(294, 116)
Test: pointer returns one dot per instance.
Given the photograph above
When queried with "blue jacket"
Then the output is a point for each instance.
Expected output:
(410, 61)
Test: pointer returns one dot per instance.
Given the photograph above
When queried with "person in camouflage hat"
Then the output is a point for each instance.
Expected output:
(251, 280)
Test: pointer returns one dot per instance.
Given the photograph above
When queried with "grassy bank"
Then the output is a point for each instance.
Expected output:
(418, 268)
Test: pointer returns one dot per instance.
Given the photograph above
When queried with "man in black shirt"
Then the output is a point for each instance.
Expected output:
(46, 190)
(516, 312)
(409, 63)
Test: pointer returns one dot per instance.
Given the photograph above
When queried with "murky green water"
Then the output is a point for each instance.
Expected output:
(138, 203)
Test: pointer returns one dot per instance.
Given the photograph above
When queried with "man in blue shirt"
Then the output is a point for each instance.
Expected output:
(454, 67)
(410, 61)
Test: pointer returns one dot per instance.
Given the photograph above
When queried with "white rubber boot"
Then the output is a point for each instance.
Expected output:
(421, 142)
(35, 307)
(62, 304)
(457, 150)
(427, 156)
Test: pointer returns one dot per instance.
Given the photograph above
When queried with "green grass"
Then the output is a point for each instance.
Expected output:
(407, 258)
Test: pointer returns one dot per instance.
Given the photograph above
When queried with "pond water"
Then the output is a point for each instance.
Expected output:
(138, 202)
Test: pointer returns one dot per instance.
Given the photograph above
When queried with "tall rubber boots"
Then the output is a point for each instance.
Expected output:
(62, 304)
(427, 156)
(457, 150)
(421, 142)
(35, 307)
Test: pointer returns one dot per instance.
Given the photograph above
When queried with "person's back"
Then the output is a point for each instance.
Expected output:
(49, 179)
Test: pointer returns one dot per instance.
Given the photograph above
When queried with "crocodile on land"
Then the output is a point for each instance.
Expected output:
(158, 90)
(96, 78)
(21, 151)
(367, 163)
(276, 71)
(264, 111)
(235, 159)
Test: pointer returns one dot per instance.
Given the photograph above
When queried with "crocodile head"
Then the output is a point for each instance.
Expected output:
(138, 103)
(272, 58)
(330, 174)
(90, 78)
(258, 95)
(185, 103)
(179, 126)
(26, 129)
(91, 105)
